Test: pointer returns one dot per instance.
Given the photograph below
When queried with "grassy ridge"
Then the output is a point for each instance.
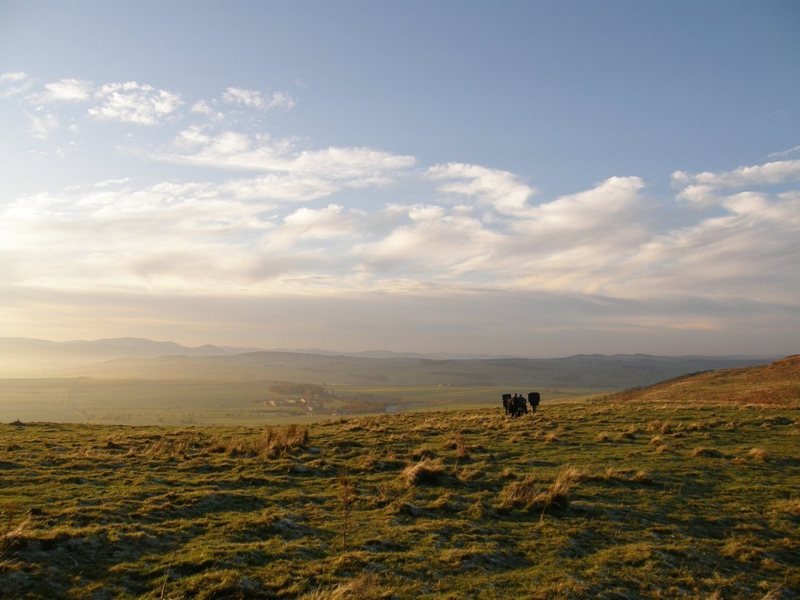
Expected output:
(581, 500)
(776, 383)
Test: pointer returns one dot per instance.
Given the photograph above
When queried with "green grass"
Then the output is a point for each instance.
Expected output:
(186, 403)
(580, 500)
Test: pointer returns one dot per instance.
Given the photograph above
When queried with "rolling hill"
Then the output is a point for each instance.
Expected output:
(590, 371)
(775, 383)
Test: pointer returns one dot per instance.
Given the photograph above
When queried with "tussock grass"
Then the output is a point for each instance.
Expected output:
(627, 475)
(460, 446)
(758, 454)
(426, 471)
(707, 452)
(131, 511)
(273, 442)
(529, 494)
(789, 507)
(13, 523)
(366, 586)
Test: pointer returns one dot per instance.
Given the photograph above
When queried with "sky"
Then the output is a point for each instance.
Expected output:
(507, 178)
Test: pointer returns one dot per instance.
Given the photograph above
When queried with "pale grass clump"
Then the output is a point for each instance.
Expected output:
(789, 507)
(740, 550)
(528, 494)
(460, 446)
(706, 452)
(758, 454)
(662, 427)
(615, 474)
(427, 470)
(12, 525)
(272, 442)
(366, 586)
(423, 452)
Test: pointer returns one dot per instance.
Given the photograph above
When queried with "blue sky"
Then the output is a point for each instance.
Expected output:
(536, 178)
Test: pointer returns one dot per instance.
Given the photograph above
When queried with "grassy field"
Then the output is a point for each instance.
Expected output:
(584, 499)
(184, 402)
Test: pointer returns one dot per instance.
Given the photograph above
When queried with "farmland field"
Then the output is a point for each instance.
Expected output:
(186, 402)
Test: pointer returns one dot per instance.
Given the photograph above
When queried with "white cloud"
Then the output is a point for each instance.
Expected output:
(432, 241)
(320, 171)
(13, 77)
(317, 229)
(258, 100)
(701, 188)
(449, 228)
(201, 107)
(14, 83)
(500, 189)
(132, 102)
(66, 90)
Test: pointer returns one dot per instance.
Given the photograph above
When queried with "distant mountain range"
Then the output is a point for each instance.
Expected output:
(138, 358)
(29, 352)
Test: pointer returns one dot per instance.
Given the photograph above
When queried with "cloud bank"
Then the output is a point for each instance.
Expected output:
(366, 237)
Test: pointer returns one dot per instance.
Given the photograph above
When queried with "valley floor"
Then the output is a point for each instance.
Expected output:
(583, 500)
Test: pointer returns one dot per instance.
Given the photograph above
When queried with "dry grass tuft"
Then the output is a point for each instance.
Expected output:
(707, 452)
(423, 452)
(614, 474)
(273, 441)
(366, 586)
(758, 454)
(789, 507)
(528, 494)
(460, 446)
(427, 470)
(12, 525)
(662, 427)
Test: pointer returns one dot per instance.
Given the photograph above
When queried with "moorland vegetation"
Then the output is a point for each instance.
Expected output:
(614, 498)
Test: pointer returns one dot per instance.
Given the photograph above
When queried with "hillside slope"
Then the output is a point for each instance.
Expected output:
(609, 372)
(776, 383)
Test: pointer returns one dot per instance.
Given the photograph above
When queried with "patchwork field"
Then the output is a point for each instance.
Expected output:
(588, 499)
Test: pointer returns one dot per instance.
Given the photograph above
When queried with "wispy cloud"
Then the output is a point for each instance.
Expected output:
(325, 170)
(14, 83)
(133, 102)
(42, 125)
(257, 99)
(785, 153)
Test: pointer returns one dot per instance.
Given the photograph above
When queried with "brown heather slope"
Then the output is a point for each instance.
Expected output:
(776, 383)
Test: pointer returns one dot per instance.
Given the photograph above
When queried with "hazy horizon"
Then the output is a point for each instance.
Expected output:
(522, 179)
